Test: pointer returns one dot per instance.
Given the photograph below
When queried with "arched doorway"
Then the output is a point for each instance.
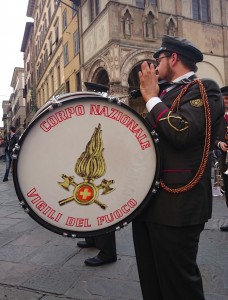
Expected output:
(101, 77)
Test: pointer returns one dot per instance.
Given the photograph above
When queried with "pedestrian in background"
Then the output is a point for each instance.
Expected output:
(11, 141)
(2, 149)
(186, 117)
(221, 144)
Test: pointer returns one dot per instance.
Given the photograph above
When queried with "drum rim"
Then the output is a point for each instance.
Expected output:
(115, 227)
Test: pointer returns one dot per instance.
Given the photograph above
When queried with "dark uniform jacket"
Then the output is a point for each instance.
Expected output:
(181, 143)
(222, 132)
(13, 140)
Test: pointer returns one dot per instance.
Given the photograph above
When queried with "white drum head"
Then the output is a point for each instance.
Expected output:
(86, 167)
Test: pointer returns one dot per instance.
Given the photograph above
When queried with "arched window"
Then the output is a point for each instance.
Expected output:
(140, 3)
(201, 10)
(94, 9)
(154, 2)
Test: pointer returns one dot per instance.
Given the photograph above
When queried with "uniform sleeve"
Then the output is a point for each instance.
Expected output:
(221, 131)
(186, 126)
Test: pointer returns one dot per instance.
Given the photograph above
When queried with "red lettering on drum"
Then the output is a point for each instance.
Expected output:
(124, 119)
(145, 145)
(45, 126)
(69, 112)
(125, 208)
(115, 114)
(117, 214)
(33, 193)
(77, 222)
(62, 115)
(132, 203)
(96, 110)
(79, 110)
(43, 207)
(53, 121)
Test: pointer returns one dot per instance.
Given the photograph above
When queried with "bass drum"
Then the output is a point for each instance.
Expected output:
(86, 165)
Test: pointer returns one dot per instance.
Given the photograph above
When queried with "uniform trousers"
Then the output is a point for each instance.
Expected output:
(8, 161)
(166, 260)
(225, 183)
(106, 243)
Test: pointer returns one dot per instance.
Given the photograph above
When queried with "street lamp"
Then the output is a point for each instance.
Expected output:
(76, 2)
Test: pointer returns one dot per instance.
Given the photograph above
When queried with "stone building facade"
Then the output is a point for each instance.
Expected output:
(125, 33)
(17, 100)
(105, 41)
(56, 58)
(27, 48)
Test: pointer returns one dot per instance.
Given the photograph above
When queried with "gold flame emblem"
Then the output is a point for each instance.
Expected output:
(90, 166)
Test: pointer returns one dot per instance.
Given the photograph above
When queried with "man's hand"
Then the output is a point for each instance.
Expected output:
(223, 146)
(148, 81)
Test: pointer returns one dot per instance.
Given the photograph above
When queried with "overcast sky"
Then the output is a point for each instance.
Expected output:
(12, 24)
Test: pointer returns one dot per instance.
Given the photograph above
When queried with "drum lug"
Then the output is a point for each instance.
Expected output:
(117, 100)
(22, 203)
(15, 151)
(27, 210)
(71, 236)
(157, 184)
(125, 224)
(154, 191)
(17, 147)
(104, 94)
(54, 103)
(118, 228)
(155, 135)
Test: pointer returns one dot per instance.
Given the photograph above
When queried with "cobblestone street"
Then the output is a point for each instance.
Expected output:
(38, 264)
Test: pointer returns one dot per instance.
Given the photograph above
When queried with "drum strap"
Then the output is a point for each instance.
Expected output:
(206, 150)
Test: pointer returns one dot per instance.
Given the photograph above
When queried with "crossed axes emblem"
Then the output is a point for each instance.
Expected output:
(85, 192)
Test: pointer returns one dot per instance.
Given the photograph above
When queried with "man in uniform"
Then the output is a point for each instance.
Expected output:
(221, 143)
(185, 116)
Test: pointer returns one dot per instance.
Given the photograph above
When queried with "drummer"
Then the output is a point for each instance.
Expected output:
(166, 234)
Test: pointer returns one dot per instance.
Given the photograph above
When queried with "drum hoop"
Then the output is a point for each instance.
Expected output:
(117, 226)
